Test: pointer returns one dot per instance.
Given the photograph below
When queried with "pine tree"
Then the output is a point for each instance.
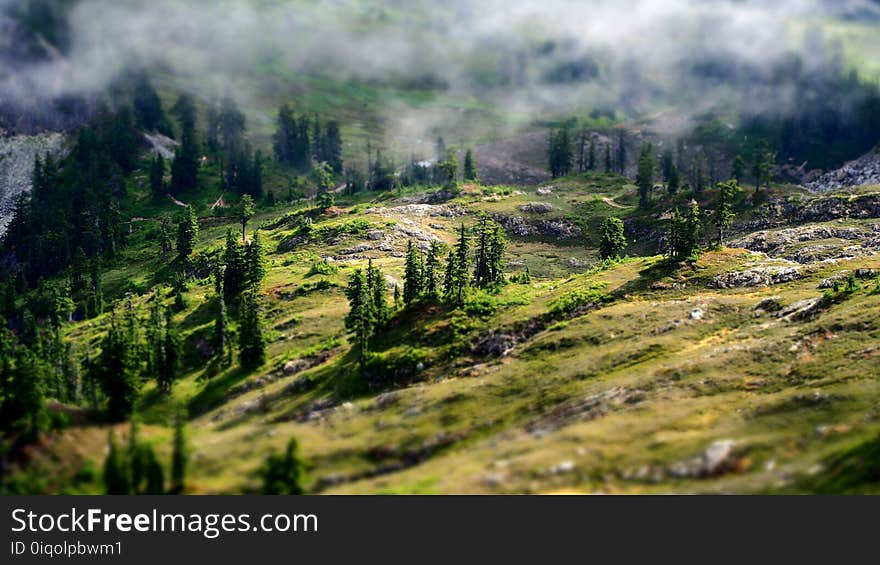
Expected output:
(255, 262)
(560, 152)
(115, 477)
(739, 169)
(675, 235)
(621, 152)
(673, 183)
(361, 318)
(179, 457)
(284, 474)
(645, 176)
(332, 146)
(133, 456)
(24, 375)
(169, 366)
(246, 211)
(148, 111)
(489, 254)
(165, 236)
(613, 242)
(457, 279)
(157, 176)
(233, 268)
(762, 165)
(693, 231)
(185, 167)
(251, 340)
(432, 271)
(470, 167)
(376, 283)
(609, 166)
(413, 276)
(118, 369)
(724, 215)
(187, 232)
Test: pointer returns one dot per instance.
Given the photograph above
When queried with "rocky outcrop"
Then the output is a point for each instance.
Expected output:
(17, 156)
(761, 276)
(556, 228)
(861, 172)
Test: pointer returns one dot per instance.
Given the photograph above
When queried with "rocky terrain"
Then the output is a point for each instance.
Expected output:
(17, 155)
(864, 171)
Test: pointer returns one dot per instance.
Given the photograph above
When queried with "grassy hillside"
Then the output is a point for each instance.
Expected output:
(639, 376)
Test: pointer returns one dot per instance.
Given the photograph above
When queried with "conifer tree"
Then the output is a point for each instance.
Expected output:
(157, 176)
(560, 152)
(246, 211)
(432, 271)
(470, 167)
(187, 232)
(457, 279)
(221, 322)
(762, 165)
(613, 241)
(727, 192)
(165, 236)
(376, 283)
(118, 369)
(154, 475)
(233, 268)
(361, 318)
(609, 166)
(255, 262)
(284, 474)
(739, 169)
(251, 341)
(413, 276)
(489, 254)
(645, 176)
(185, 167)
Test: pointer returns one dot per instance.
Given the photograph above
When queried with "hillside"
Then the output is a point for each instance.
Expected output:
(736, 373)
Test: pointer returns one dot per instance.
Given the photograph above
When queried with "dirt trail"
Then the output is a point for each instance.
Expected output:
(612, 203)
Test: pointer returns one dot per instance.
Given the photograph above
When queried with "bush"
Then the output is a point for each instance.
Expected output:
(322, 268)
(577, 299)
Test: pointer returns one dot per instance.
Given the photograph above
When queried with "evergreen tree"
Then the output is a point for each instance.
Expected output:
(118, 369)
(413, 276)
(148, 111)
(172, 353)
(187, 232)
(231, 126)
(234, 270)
(470, 167)
(157, 176)
(332, 146)
(251, 340)
(115, 477)
(489, 254)
(673, 183)
(255, 262)
(284, 474)
(376, 284)
(185, 167)
(727, 192)
(621, 152)
(762, 165)
(361, 317)
(693, 230)
(432, 271)
(446, 171)
(645, 176)
(179, 457)
(23, 378)
(613, 242)
(609, 165)
(165, 236)
(739, 169)
(246, 211)
(560, 152)
(457, 278)
(699, 176)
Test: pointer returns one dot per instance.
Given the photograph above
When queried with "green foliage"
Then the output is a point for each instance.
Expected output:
(489, 253)
(251, 338)
(185, 167)
(187, 232)
(683, 239)
(613, 242)
(246, 211)
(456, 281)
(284, 474)
(576, 300)
(560, 152)
(762, 164)
(727, 192)
(115, 478)
(413, 274)
(157, 176)
(322, 268)
(470, 167)
(119, 368)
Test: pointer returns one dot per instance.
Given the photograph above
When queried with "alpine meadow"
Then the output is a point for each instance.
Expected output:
(459, 247)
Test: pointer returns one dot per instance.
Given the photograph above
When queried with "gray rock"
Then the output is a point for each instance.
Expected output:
(537, 208)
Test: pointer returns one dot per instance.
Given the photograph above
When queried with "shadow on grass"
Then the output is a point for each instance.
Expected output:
(215, 390)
